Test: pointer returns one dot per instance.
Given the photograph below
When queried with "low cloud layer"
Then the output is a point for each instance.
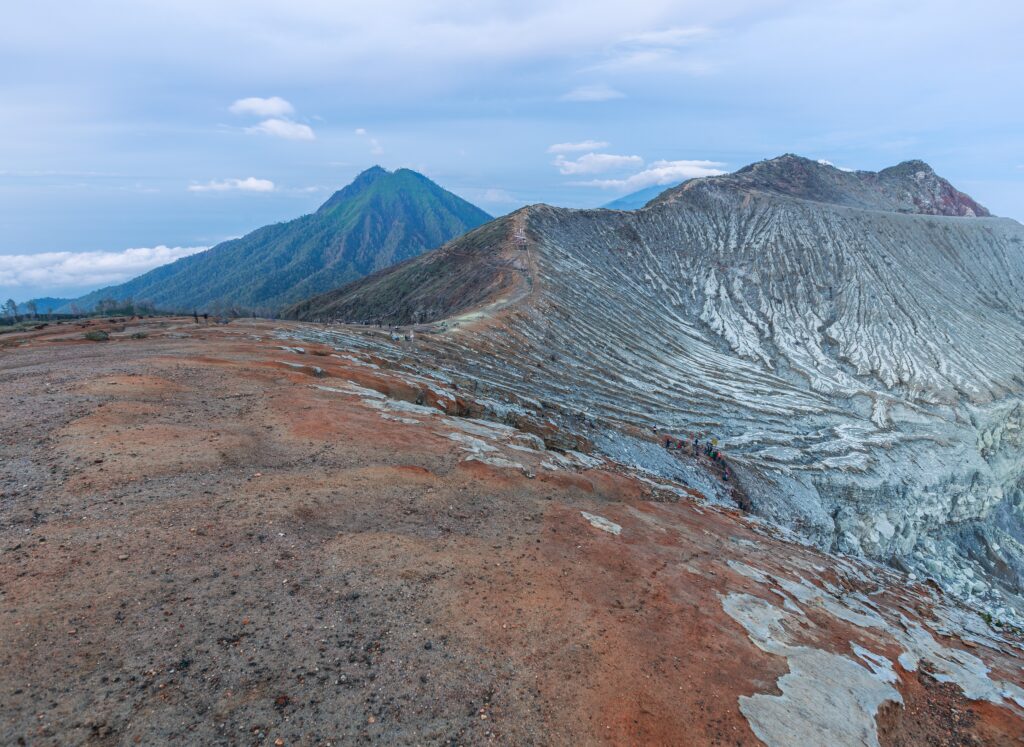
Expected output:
(85, 270)
(660, 172)
(249, 184)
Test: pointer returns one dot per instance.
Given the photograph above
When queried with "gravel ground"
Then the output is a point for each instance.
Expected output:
(199, 546)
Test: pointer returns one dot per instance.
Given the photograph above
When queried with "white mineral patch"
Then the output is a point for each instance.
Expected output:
(602, 523)
(826, 698)
(878, 664)
(496, 461)
(471, 444)
(397, 405)
(349, 387)
(399, 419)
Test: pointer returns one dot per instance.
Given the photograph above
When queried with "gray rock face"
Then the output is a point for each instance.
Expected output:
(856, 342)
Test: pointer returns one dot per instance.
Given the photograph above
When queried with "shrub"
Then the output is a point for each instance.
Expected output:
(97, 335)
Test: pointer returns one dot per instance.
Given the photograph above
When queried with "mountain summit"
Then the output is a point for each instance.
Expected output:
(908, 187)
(379, 219)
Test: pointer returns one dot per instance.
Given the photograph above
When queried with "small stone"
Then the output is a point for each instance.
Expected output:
(122, 557)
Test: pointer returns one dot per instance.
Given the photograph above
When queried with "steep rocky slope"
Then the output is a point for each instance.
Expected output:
(379, 219)
(855, 340)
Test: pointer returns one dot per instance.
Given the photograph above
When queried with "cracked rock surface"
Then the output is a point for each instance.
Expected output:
(854, 340)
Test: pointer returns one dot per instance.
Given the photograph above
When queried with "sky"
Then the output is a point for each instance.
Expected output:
(135, 132)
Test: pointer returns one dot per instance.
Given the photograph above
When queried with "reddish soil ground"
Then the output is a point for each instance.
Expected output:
(198, 545)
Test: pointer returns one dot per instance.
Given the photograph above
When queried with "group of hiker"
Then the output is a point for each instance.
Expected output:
(709, 448)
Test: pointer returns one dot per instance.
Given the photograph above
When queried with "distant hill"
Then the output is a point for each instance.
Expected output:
(379, 219)
(636, 200)
(43, 305)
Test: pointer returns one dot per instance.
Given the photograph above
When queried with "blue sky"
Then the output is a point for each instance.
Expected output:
(133, 132)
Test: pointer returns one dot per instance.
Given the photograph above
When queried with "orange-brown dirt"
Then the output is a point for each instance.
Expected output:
(198, 545)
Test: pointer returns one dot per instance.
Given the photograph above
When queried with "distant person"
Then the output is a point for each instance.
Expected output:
(206, 318)
(195, 315)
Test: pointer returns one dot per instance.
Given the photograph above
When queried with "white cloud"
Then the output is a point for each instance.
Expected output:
(825, 162)
(86, 269)
(660, 172)
(275, 106)
(580, 146)
(375, 147)
(284, 128)
(249, 184)
(596, 163)
(599, 92)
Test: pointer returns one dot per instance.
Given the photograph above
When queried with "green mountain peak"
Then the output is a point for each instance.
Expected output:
(381, 218)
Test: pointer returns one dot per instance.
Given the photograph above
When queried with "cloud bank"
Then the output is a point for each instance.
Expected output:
(85, 270)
